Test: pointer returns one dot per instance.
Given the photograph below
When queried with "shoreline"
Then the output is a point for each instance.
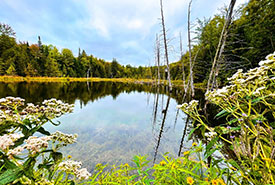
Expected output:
(15, 79)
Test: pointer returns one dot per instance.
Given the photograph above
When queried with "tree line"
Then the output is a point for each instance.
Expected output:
(23, 59)
(250, 38)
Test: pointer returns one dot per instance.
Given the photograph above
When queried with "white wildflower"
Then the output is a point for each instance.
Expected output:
(265, 62)
(182, 106)
(270, 56)
(66, 138)
(8, 140)
(16, 151)
(236, 75)
(189, 107)
(34, 144)
(222, 92)
(70, 166)
(83, 174)
(74, 166)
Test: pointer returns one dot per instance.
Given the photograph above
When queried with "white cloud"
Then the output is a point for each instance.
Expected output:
(109, 16)
(135, 24)
(124, 29)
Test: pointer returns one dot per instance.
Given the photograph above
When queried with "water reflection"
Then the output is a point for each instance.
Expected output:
(114, 121)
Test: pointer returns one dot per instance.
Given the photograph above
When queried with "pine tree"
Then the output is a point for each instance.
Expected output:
(11, 70)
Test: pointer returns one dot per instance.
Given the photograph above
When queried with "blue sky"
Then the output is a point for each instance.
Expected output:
(121, 29)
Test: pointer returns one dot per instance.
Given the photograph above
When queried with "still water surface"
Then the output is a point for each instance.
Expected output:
(114, 121)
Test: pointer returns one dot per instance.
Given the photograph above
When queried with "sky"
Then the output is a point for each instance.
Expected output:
(107, 29)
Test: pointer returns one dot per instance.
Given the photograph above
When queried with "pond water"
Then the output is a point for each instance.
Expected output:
(114, 121)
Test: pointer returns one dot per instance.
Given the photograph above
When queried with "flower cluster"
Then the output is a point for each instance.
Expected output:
(34, 144)
(74, 167)
(13, 110)
(16, 151)
(65, 138)
(189, 107)
(11, 102)
(55, 108)
(251, 83)
(8, 140)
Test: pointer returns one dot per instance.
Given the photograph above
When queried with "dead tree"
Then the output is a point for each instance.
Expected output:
(181, 55)
(158, 58)
(190, 82)
(190, 53)
(165, 46)
(215, 66)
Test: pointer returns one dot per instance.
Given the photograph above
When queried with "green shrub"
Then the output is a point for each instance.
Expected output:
(248, 104)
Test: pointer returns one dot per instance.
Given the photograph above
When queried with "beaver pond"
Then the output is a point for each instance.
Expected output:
(114, 121)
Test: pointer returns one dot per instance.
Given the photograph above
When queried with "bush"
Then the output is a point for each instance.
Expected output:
(248, 104)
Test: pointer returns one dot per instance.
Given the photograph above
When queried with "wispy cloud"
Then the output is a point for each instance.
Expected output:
(122, 29)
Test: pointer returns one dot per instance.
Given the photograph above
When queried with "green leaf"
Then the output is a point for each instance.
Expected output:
(27, 122)
(57, 156)
(43, 131)
(55, 124)
(216, 162)
(136, 161)
(211, 144)
(9, 164)
(222, 114)
(10, 175)
(232, 121)
(29, 167)
(209, 153)
(193, 130)
(234, 164)
(235, 128)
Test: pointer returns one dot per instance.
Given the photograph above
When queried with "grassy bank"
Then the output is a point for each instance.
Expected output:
(68, 79)
(71, 79)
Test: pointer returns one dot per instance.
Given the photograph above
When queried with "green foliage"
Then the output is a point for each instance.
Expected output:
(247, 104)
(11, 70)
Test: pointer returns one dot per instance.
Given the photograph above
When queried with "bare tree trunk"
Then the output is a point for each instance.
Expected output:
(88, 71)
(181, 55)
(190, 54)
(158, 57)
(215, 66)
(165, 46)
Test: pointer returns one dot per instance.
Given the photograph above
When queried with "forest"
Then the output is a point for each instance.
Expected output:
(251, 37)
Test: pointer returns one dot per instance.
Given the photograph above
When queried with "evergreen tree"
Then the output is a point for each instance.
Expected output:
(11, 70)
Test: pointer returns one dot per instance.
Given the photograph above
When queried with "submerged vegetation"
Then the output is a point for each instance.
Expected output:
(247, 106)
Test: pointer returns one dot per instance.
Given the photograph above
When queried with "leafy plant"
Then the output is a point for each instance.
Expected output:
(248, 104)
